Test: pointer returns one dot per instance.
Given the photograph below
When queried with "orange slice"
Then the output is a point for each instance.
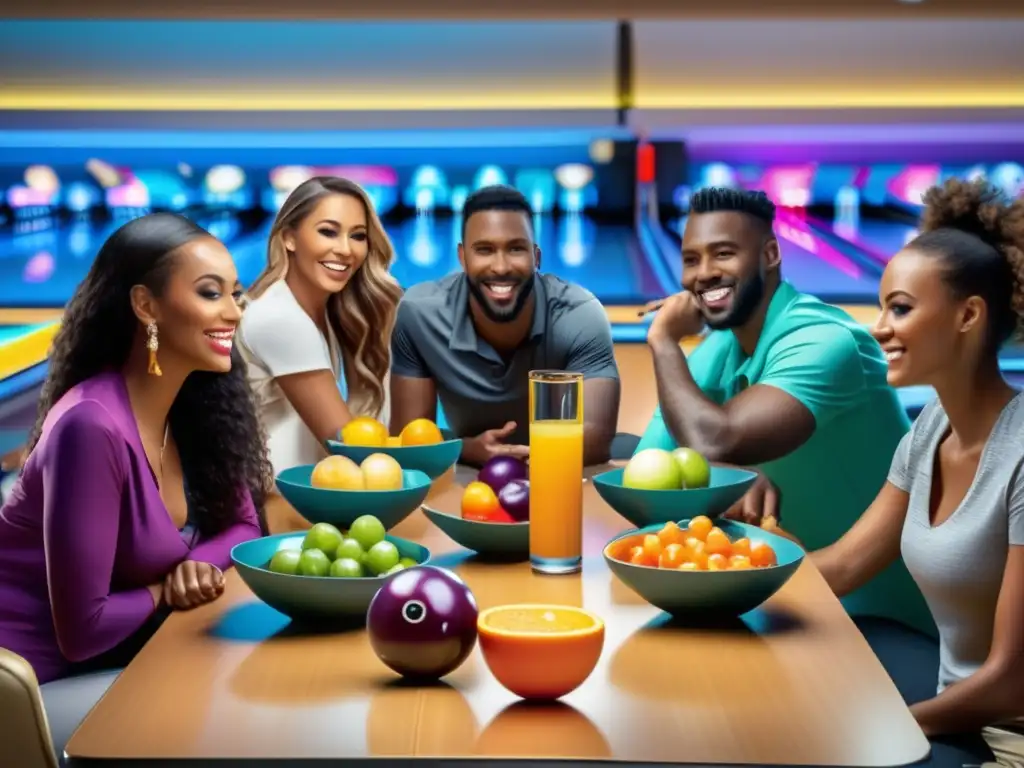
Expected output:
(538, 619)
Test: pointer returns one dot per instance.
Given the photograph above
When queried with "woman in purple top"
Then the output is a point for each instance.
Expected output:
(147, 463)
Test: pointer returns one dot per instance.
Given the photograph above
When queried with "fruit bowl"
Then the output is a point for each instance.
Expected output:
(433, 460)
(540, 652)
(704, 593)
(646, 507)
(341, 507)
(311, 598)
(500, 540)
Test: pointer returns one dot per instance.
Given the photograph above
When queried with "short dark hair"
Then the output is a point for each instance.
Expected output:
(714, 199)
(497, 197)
(979, 238)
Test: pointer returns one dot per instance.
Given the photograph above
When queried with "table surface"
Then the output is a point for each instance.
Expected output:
(791, 683)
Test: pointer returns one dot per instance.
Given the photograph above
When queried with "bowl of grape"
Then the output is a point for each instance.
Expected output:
(325, 573)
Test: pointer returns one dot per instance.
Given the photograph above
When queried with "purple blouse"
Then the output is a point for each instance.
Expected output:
(85, 533)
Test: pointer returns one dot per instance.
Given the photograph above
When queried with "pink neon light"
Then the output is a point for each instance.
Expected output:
(789, 186)
(364, 175)
(23, 197)
(910, 184)
(131, 195)
(860, 179)
(39, 268)
(794, 229)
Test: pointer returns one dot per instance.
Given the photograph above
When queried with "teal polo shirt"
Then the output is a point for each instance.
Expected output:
(820, 355)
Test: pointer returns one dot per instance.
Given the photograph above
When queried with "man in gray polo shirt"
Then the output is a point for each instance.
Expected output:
(472, 337)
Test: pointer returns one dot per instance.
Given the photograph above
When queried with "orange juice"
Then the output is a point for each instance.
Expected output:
(556, 494)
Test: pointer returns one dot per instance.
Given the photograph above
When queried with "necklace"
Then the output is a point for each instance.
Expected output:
(160, 458)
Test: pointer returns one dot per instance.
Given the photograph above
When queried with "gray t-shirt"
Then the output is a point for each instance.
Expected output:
(959, 564)
(434, 337)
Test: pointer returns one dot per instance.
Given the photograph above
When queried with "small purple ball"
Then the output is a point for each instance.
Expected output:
(422, 622)
(502, 470)
(515, 499)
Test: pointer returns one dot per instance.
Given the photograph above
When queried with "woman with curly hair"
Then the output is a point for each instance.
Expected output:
(146, 464)
(321, 314)
(953, 505)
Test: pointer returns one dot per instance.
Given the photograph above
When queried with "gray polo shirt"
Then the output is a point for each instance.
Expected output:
(434, 337)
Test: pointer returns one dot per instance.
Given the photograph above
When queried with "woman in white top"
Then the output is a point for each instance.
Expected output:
(320, 316)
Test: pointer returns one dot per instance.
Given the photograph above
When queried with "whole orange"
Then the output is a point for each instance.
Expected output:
(421, 432)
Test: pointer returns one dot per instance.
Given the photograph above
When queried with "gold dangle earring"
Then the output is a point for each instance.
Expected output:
(153, 345)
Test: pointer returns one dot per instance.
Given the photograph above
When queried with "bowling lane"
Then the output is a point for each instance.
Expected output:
(42, 268)
(812, 265)
(605, 259)
(877, 238)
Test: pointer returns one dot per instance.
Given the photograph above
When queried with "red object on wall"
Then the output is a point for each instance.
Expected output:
(645, 163)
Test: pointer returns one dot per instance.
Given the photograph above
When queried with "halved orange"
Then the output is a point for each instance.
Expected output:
(540, 651)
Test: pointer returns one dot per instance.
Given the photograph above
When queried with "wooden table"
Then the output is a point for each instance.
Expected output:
(791, 683)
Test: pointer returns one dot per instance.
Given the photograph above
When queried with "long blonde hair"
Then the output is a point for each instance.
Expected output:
(363, 313)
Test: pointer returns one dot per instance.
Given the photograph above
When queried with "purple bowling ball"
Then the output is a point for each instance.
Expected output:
(422, 622)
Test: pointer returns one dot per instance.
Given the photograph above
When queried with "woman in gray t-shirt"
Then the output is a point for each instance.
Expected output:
(953, 505)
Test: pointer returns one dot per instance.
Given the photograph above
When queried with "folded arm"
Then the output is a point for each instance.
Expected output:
(216, 550)
(83, 470)
(810, 375)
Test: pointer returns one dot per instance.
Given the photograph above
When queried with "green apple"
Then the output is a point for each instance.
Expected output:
(313, 562)
(346, 568)
(382, 557)
(694, 468)
(367, 530)
(350, 549)
(652, 469)
(323, 536)
(285, 561)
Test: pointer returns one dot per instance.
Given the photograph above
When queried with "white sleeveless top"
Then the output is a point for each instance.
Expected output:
(277, 338)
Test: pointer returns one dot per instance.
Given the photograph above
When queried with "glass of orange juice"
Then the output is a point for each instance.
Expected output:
(556, 471)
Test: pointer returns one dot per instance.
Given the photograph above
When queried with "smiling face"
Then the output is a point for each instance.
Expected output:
(500, 260)
(197, 310)
(331, 243)
(924, 330)
(726, 257)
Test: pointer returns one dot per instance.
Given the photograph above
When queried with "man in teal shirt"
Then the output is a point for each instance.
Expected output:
(783, 382)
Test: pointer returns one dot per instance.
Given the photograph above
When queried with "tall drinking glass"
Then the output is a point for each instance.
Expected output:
(556, 471)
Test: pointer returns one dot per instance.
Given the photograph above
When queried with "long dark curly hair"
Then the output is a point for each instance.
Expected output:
(213, 419)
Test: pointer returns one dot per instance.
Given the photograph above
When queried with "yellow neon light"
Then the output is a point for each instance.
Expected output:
(26, 351)
(724, 97)
(241, 102)
(836, 97)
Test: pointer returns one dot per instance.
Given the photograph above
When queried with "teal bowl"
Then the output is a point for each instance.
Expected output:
(311, 598)
(340, 508)
(708, 593)
(432, 460)
(504, 541)
(643, 508)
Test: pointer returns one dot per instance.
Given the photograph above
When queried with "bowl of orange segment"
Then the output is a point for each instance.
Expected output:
(421, 445)
(538, 651)
(337, 490)
(700, 567)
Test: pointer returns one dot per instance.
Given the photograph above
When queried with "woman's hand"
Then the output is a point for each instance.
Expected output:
(192, 584)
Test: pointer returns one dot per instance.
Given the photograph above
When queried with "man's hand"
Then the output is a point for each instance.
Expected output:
(758, 506)
(678, 317)
(478, 450)
(192, 584)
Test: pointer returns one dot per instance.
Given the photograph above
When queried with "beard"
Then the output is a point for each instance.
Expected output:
(748, 297)
(497, 313)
